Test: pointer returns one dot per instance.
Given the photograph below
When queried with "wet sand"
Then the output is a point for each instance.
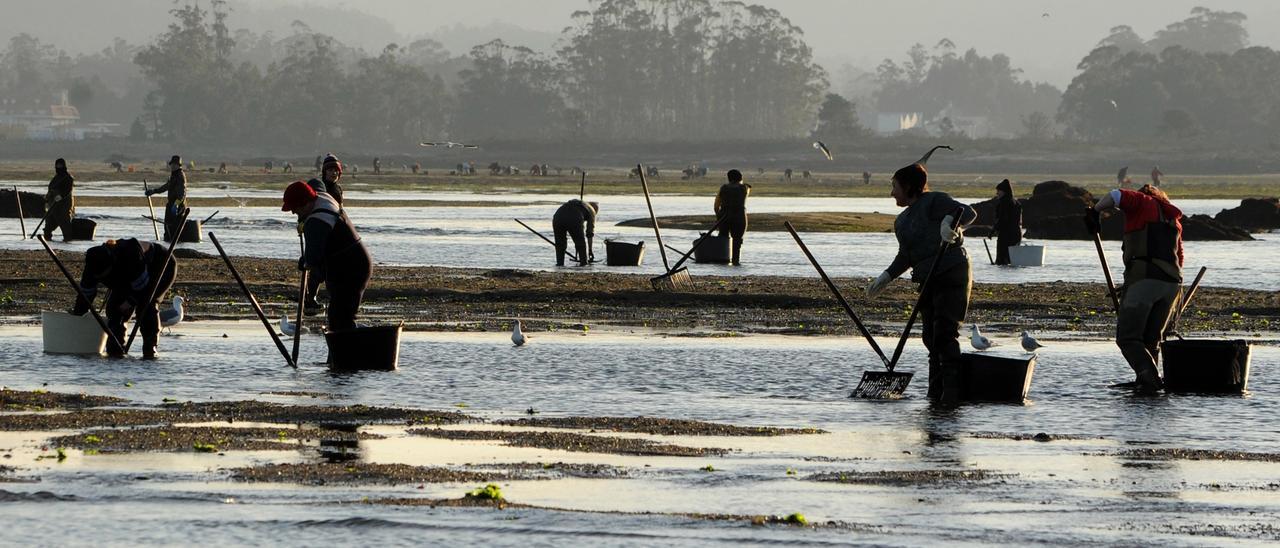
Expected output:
(460, 299)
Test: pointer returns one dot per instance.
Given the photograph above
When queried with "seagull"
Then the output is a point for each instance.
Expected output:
(1045, 14)
(287, 326)
(1114, 106)
(446, 144)
(1029, 343)
(172, 317)
(517, 337)
(977, 339)
(823, 149)
(241, 202)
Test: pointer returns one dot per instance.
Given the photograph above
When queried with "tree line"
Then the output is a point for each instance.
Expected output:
(630, 70)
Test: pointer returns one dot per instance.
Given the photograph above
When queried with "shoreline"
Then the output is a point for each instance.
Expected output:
(461, 299)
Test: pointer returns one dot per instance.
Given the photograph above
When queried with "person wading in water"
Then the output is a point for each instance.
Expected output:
(1152, 275)
(1008, 225)
(176, 186)
(333, 251)
(921, 229)
(731, 205)
(59, 201)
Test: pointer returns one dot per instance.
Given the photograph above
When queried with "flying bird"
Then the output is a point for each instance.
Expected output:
(1114, 106)
(1045, 14)
(823, 149)
(517, 337)
(173, 316)
(446, 144)
(288, 328)
(978, 340)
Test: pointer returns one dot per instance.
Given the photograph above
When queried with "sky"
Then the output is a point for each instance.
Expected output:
(860, 32)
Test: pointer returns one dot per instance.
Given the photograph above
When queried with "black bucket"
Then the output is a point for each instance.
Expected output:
(993, 378)
(714, 249)
(1207, 366)
(83, 229)
(623, 254)
(365, 348)
(190, 232)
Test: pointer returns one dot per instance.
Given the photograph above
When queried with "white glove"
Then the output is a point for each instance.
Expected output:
(949, 235)
(879, 284)
(57, 198)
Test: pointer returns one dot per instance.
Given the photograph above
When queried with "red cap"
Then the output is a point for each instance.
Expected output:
(297, 195)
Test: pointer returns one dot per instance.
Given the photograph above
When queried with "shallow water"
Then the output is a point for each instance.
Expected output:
(487, 238)
(1065, 491)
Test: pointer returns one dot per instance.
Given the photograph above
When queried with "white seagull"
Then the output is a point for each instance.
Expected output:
(517, 337)
(1029, 343)
(978, 340)
(172, 317)
(822, 147)
(287, 326)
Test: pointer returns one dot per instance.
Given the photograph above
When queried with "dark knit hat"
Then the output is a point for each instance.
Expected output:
(330, 161)
(1005, 187)
(97, 259)
(175, 160)
(60, 163)
(734, 176)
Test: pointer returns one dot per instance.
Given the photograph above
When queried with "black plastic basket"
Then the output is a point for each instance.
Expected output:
(714, 250)
(1206, 365)
(994, 378)
(623, 254)
(365, 348)
(83, 229)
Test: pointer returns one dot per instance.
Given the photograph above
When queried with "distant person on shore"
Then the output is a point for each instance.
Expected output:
(59, 201)
(866, 177)
(129, 269)
(1008, 224)
(176, 186)
(1122, 178)
(1152, 275)
(921, 229)
(731, 211)
(333, 253)
(377, 165)
(568, 223)
(1156, 176)
(222, 168)
(288, 167)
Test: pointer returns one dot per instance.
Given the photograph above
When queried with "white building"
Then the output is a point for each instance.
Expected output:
(892, 123)
(56, 123)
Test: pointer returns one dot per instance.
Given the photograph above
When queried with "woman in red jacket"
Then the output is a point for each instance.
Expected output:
(1152, 275)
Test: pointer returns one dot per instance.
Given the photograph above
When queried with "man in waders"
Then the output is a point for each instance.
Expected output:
(1008, 225)
(333, 251)
(731, 206)
(1152, 275)
(59, 203)
(176, 186)
(921, 229)
(130, 269)
(330, 174)
(568, 222)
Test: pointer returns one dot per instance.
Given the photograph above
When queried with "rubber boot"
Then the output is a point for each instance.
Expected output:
(950, 396)
(1149, 382)
(935, 381)
(312, 307)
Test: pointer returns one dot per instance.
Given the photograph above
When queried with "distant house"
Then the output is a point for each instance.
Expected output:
(56, 123)
(892, 123)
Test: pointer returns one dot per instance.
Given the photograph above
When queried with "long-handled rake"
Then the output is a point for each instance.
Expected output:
(148, 306)
(546, 239)
(675, 279)
(1106, 270)
(17, 195)
(253, 302)
(1183, 303)
(152, 208)
(875, 384)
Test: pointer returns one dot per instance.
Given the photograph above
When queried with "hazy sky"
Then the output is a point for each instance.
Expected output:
(862, 32)
(866, 31)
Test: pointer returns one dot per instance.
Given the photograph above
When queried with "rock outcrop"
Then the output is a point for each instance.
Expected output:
(1253, 214)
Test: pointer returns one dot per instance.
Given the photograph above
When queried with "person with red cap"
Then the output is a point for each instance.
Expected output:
(332, 250)
(129, 269)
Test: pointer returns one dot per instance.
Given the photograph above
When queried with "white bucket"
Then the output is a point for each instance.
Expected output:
(70, 334)
(1026, 255)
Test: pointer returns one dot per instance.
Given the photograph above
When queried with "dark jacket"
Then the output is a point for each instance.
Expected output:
(918, 229)
(328, 232)
(576, 211)
(1008, 223)
(732, 199)
(132, 266)
(176, 186)
(62, 185)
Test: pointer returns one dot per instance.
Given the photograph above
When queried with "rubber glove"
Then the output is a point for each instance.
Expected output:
(57, 198)
(150, 192)
(949, 235)
(879, 284)
(1093, 220)
(302, 264)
